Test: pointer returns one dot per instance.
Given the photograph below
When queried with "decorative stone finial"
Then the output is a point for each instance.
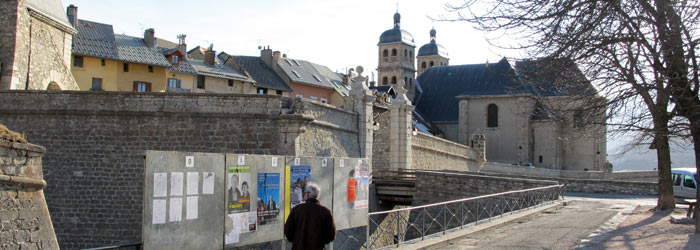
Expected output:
(358, 82)
(401, 92)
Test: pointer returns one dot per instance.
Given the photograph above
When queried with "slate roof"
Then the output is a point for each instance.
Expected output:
(312, 74)
(218, 70)
(432, 48)
(134, 49)
(182, 67)
(95, 40)
(52, 9)
(441, 86)
(263, 75)
(554, 77)
(541, 78)
(396, 34)
(384, 89)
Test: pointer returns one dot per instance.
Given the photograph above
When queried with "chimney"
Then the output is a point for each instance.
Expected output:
(276, 57)
(210, 55)
(149, 36)
(181, 45)
(266, 55)
(72, 14)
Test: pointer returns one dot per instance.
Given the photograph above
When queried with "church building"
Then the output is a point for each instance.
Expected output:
(533, 112)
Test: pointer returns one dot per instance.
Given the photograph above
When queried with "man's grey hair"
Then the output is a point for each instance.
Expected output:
(313, 190)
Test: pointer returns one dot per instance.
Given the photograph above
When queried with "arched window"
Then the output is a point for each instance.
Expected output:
(393, 80)
(405, 80)
(422, 65)
(410, 81)
(431, 63)
(393, 52)
(405, 52)
(385, 80)
(410, 53)
(492, 116)
(386, 53)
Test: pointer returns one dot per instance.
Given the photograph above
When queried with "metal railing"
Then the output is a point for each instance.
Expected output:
(400, 226)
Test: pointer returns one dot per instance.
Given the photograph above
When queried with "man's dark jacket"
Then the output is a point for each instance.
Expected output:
(310, 226)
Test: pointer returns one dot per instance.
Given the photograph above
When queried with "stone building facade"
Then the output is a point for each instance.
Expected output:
(35, 46)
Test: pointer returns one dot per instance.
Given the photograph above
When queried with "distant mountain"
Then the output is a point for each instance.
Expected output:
(642, 158)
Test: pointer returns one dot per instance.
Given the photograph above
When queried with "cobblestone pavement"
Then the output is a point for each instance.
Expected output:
(563, 228)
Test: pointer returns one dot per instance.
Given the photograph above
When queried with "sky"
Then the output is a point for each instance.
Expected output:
(337, 34)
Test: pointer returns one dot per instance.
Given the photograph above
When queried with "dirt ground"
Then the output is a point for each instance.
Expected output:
(644, 229)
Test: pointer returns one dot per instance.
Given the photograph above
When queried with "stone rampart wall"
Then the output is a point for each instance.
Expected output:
(380, 146)
(433, 187)
(332, 133)
(645, 176)
(433, 153)
(497, 168)
(96, 143)
(24, 217)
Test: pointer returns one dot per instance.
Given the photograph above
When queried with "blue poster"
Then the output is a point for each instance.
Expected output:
(268, 198)
(299, 177)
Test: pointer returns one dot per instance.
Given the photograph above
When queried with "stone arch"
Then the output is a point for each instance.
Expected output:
(53, 86)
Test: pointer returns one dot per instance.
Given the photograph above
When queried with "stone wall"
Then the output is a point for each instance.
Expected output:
(645, 176)
(508, 169)
(96, 144)
(433, 187)
(380, 149)
(24, 217)
(49, 56)
(14, 27)
(433, 153)
(332, 133)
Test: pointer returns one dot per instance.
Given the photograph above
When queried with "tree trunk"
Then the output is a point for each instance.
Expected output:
(663, 154)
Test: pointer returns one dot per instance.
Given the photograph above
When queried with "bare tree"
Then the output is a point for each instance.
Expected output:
(636, 51)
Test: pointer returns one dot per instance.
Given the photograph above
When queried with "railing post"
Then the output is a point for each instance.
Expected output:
(422, 227)
(398, 229)
(444, 218)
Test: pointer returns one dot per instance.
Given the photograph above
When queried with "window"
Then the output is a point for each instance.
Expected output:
(316, 77)
(142, 86)
(262, 91)
(96, 84)
(393, 52)
(385, 80)
(578, 119)
(174, 83)
(279, 92)
(386, 53)
(296, 73)
(295, 62)
(422, 65)
(200, 82)
(289, 62)
(150, 68)
(492, 116)
(410, 53)
(102, 62)
(175, 59)
(78, 61)
(324, 100)
(688, 181)
(126, 67)
(676, 178)
(230, 83)
(314, 98)
(405, 53)
(540, 159)
(300, 96)
(405, 80)
(431, 63)
(393, 80)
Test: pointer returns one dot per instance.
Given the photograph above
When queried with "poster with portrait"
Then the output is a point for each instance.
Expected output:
(299, 176)
(238, 188)
(361, 190)
(268, 198)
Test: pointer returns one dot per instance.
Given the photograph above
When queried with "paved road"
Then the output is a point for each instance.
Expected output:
(583, 217)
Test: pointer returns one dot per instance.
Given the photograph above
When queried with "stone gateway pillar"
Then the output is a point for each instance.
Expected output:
(401, 129)
(361, 101)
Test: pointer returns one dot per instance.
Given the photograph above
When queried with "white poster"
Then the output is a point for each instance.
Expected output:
(176, 183)
(159, 211)
(192, 183)
(175, 209)
(208, 183)
(189, 161)
(192, 207)
(232, 230)
(160, 184)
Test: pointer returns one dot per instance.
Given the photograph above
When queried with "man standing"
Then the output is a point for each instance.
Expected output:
(310, 225)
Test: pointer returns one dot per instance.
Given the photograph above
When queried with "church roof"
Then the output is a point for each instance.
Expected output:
(52, 9)
(541, 78)
(396, 34)
(441, 86)
(432, 48)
